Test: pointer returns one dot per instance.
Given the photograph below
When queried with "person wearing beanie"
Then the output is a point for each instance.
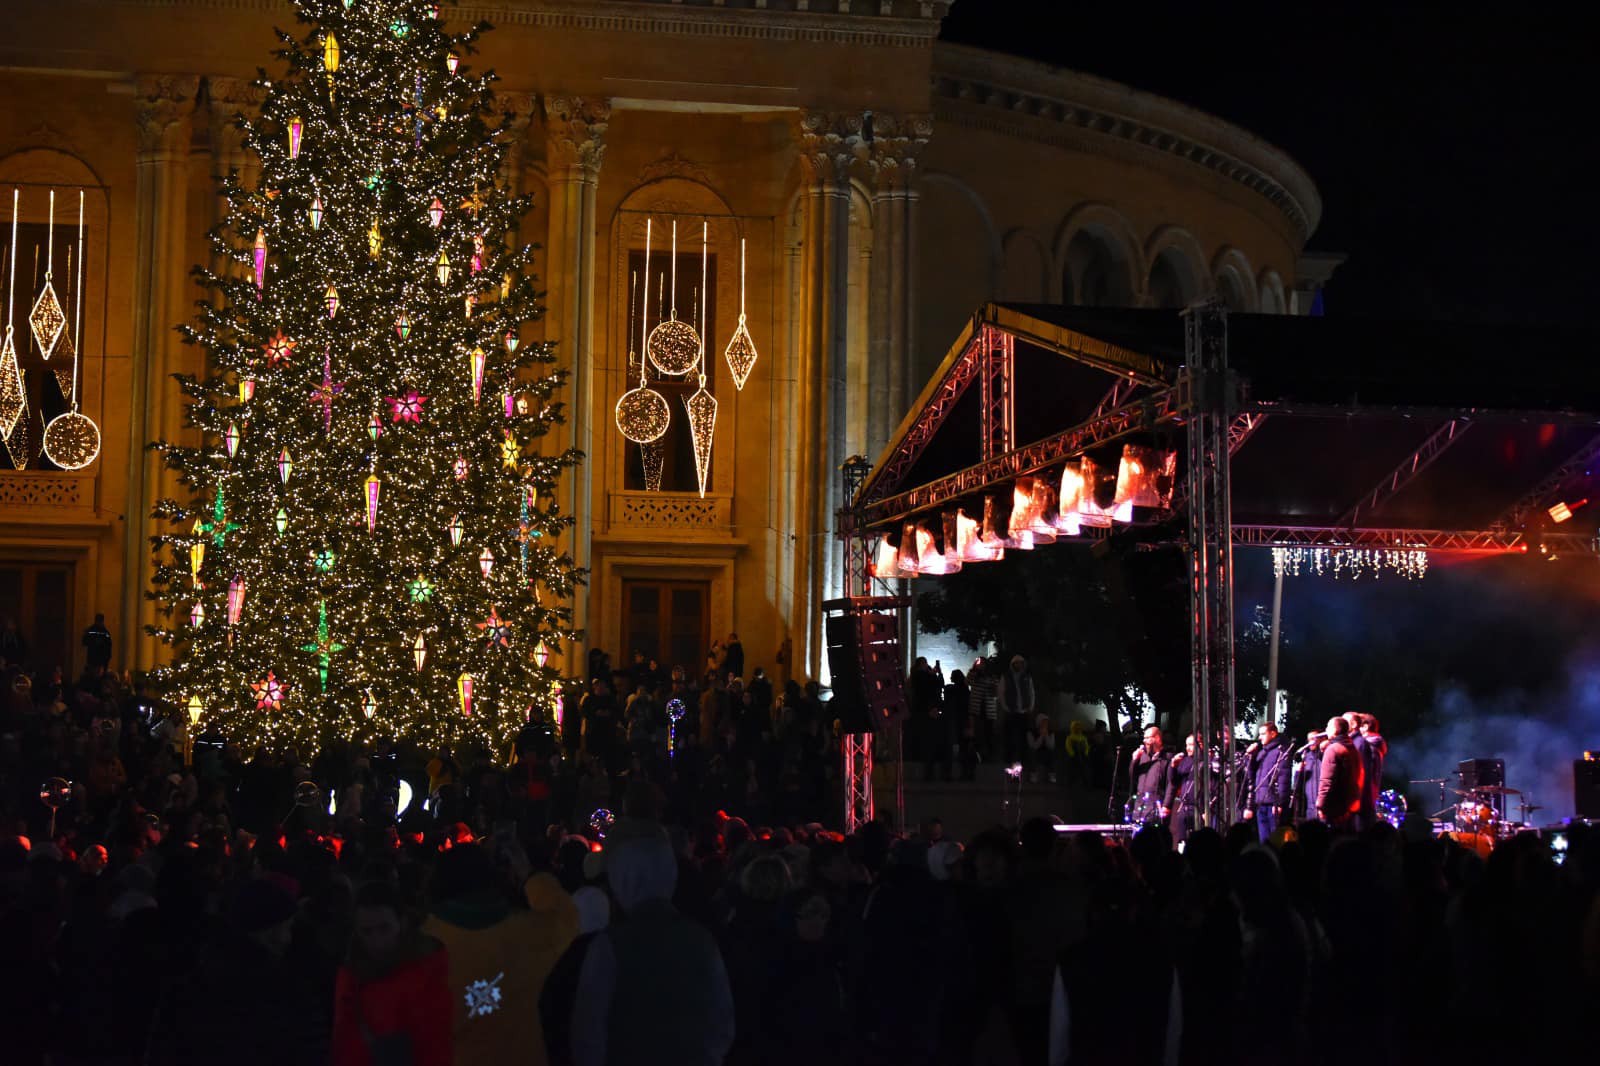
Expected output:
(499, 957)
(653, 987)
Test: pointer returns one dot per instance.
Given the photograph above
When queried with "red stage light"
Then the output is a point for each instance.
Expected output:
(1563, 510)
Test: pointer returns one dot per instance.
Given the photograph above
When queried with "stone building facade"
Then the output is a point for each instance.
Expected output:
(884, 184)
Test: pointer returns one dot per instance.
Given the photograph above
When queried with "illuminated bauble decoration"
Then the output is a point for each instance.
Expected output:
(372, 486)
(419, 652)
(285, 466)
(673, 347)
(331, 298)
(269, 692)
(279, 349)
(452, 62)
(72, 440)
(260, 255)
(675, 709)
(464, 691)
(741, 350)
(541, 654)
(477, 361)
(196, 709)
(375, 426)
(402, 326)
(323, 559)
(496, 630)
(702, 408)
(442, 268)
(330, 52)
(197, 614)
(230, 439)
(282, 521)
(600, 823)
(461, 468)
(643, 415)
(436, 214)
(512, 341)
(297, 130)
(486, 562)
(369, 704)
(455, 530)
(421, 589)
(407, 407)
(316, 213)
(55, 793)
(235, 600)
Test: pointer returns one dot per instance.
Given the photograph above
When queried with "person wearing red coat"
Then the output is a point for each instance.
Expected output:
(1339, 790)
(392, 999)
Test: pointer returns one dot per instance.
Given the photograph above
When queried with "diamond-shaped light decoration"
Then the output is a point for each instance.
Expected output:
(47, 320)
(477, 361)
(12, 397)
(19, 443)
(702, 425)
(455, 530)
(741, 350)
(486, 563)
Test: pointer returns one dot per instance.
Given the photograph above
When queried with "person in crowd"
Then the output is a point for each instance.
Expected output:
(959, 730)
(392, 1001)
(733, 657)
(653, 987)
(97, 645)
(1179, 799)
(1017, 707)
(1075, 756)
(983, 707)
(1269, 784)
(1041, 750)
(1147, 776)
(498, 955)
(1340, 781)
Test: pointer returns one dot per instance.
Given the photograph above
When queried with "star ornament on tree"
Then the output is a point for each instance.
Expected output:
(219, 527)
(279, 349)
(406, 407)
(496, 629)
(324, 646)
(269, 692)
(324, 393)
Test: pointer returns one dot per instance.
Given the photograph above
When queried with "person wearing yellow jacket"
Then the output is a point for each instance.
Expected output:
(499, 955)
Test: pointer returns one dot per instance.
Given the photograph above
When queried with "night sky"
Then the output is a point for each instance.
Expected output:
(1448, 144)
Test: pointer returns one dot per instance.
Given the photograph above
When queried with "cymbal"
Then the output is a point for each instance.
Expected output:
(1498, 790)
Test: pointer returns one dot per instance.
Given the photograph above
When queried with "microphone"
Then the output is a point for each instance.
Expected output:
(1253, 748)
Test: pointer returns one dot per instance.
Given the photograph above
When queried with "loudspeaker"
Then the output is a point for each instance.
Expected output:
(1586, 786)
(864, 659)
(1476, 773)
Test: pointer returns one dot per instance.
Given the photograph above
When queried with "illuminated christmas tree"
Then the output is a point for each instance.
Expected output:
(371, 546)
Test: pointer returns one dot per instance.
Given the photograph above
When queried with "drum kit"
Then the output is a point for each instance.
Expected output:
(1476, 818)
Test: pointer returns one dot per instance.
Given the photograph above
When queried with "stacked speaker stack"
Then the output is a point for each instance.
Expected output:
(864, 659)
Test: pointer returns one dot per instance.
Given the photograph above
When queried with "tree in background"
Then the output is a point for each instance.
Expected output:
(370, 550)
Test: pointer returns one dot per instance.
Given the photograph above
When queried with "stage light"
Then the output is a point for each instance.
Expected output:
(1563, 510)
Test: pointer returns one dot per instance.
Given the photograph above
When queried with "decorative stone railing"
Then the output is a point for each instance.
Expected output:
(671, 514)
(23, 491)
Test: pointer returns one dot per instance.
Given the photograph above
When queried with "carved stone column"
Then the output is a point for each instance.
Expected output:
(896, 141)
(228, 98)
(828, 144)
(575, 129)
(164, 107)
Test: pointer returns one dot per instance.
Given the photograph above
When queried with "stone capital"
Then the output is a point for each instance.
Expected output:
(229, 98)
(515, 110)
(575, 131)
(829, 142)
(164, 105)
(892, 151)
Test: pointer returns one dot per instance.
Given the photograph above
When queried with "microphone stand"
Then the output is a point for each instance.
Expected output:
(1111, 790)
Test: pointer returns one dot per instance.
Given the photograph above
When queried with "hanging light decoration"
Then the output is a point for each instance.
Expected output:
(279, 349)
(402, 325)
(442, 267)
(461, 468)
(477, 361)
(1409, 561)
(372, 486)
(331, 298)
(464, 691)
(513, 341)
(741, 350)
(510, 450)
(282, 521)
(477, 252)
(496, 629)
(455, 530)
(197, 614)
(247, 389)
(486, 562)
(374, 426)
(316, 213)
(260, 255)
(369, 704)
(541, 654)
(197, 552)
(235, 600)
(452, 62)
(673, 346)
(323, 560)
(642, 414)
(419, 653)
(374, 240)
(407, 407)
(269, 692)
(653, 457)
(13, 388)
(436, 213)
(330, 52)
(702, 406)
(47, 321)
(230, 440)
(296, 131)
(285, 466)
(421, 589)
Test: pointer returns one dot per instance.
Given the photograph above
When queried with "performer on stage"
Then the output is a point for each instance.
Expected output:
(1179, 801)
(1147, 775)
(1372, 748)
(1310, 774)
(1339, 790)
(1268, 782)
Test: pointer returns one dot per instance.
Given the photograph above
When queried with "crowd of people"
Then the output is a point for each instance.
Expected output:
(156, 910)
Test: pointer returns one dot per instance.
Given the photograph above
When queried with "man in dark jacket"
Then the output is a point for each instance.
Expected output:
(1310, 774)
(1339, 791)
(97, 644)
(1179, 799)
(1372, 747)
(1270, 782)
(1148, 776)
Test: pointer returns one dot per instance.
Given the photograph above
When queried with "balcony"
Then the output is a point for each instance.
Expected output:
(48, 497)
(675, 516)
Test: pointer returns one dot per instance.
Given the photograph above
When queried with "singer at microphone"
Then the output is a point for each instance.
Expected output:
(1147, 773)
(1269, 787)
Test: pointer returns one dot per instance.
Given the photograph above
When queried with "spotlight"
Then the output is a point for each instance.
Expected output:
(1563, 510)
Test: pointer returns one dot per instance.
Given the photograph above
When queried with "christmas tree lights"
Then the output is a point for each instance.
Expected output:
(389, 123)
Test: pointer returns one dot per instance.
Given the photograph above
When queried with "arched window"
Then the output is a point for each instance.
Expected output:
(1171, 281)
(1095, 274)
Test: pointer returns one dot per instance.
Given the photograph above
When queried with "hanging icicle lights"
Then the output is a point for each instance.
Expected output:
(1355, 563)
